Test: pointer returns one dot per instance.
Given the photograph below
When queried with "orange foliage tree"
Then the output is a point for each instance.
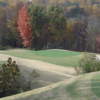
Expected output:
(24, 27)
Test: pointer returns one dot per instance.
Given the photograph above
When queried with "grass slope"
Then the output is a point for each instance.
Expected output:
(83, 87)
(58, 57)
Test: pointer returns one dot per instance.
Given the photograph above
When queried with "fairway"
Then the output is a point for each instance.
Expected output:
(82, 87)
(56, 53)
(59, 83)
(58, 57)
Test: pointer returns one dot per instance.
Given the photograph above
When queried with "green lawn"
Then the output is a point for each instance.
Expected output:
(56, 53)
(58, 57)
(95, 84)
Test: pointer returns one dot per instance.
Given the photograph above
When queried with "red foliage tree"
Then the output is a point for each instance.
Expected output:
(24, 26)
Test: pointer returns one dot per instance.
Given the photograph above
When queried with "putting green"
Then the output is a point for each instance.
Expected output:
(56, 53)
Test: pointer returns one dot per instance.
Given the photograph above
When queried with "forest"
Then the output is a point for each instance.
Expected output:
(50, 24)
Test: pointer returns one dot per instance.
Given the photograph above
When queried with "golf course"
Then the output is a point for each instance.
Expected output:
(49, 49)
(58, 80)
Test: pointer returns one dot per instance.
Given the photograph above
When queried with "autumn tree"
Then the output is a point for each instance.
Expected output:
(80, 31)
(76, 33)
(70, 35)
(24, 26)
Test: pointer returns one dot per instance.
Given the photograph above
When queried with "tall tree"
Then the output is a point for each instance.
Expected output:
(25, 27)
(39, 21)
(57, 25)
(93, 35)
(76, 33)
(3, 26)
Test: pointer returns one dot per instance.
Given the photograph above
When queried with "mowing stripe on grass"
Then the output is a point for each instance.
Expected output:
(95, 84)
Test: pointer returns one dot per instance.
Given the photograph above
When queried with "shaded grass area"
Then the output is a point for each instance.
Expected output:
(64, 58)
(95, 84)
(77, 88)
(71, 89)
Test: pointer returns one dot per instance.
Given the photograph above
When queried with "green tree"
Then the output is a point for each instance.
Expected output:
(12, 17)
(38, 20)
(57, 25)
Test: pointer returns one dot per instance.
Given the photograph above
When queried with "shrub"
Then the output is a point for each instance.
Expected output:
(88, 64)
(12, 80)
(9, 75)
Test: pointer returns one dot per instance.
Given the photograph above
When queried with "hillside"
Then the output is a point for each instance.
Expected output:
(49, 73)
(59, 57)
(49, 49)
(56, 82)
(83, 87)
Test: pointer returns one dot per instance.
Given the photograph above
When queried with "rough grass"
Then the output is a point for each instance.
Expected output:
(58, 57)
(78, 88)
(1, 62)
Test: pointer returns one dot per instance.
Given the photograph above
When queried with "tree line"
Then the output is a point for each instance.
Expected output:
(47, 24)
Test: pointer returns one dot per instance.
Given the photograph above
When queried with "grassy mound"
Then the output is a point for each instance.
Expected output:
(56, 53)
(83, 87)
(58, 57)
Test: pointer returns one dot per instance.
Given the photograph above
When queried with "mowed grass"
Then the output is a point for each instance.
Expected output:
(83, 87)
(58, 57)
(56, 53)
(96, 84)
